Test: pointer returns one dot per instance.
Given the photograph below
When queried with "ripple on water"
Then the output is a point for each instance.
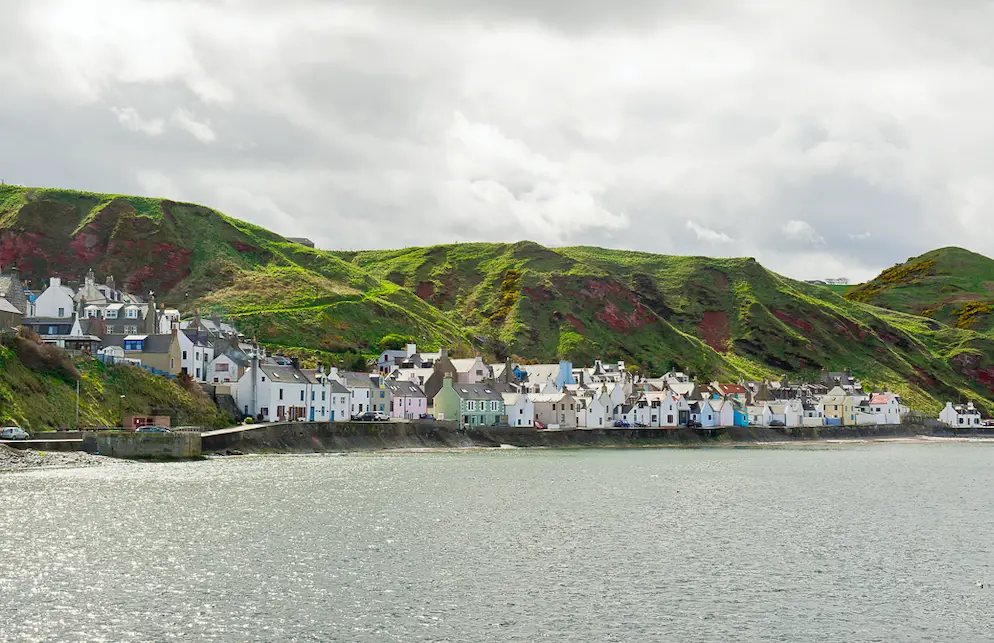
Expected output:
(860, 543)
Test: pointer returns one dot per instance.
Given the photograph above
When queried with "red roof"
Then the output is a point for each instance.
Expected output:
(732, 389)
(879, 398)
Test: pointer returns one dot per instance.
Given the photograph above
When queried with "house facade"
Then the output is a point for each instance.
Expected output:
(554, 410)
(960, 415)
(470, 404)
(519, 409)
(407, 400)
(55, 301)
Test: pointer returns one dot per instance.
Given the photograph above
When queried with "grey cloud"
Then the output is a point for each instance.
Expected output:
(384, 124)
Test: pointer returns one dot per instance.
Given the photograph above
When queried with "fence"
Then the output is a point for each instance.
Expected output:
(111, 360)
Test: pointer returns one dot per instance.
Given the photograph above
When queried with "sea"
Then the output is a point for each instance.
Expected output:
(822, 542)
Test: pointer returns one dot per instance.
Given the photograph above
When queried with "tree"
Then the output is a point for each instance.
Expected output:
(394, 342)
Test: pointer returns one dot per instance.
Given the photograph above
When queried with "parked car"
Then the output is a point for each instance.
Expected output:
(693, 424)
(777, 423)
(13, 433)
(368, 416)
(381, 417)
(987, 423)
(539, 425)
(152, 428)
(621, 424)
(427, 416)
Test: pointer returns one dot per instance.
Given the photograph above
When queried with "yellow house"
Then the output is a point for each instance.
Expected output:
(838, 407)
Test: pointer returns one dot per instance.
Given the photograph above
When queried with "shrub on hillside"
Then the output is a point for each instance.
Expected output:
(41, 357)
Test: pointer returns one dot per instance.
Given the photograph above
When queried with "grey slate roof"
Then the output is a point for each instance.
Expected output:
(477, 391)
(358, 380)
(404, 389)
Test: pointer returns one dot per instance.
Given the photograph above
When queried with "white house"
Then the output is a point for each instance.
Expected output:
(273, 393)
(360, 389)
(664, 408)
(960, 415)
(326, 400)
(225, 368)
(724, 412)
(519, 408)
(197, 353)
(706, 413)
(597, 410)
(56, 301)
(886, 408)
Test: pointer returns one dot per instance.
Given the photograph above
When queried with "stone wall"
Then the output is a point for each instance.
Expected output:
(155, 446)
(310, 437)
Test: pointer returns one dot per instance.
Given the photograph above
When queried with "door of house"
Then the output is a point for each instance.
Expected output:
(312, 414)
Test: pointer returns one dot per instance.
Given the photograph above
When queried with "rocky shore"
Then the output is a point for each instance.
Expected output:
(17, 460)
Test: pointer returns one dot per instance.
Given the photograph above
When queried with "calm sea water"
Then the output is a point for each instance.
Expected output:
(854, 543)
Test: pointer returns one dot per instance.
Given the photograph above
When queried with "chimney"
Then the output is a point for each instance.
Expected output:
(443, 353)
(110, 282)
(54, 282)
(412, 349)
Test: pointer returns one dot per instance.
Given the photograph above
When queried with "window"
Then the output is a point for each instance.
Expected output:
(570, 407)
(521, 412)
(221, 368)
(53, 330)
(132, 314)
(62, 312)
(184, 354)
(382, 394)
(133, 345)
(471, 405)
(110, 314)
(493, 405)
(302, 396)
(172, 365)
(323, 395)
(313, 394)
(281, 394)
(198, 372)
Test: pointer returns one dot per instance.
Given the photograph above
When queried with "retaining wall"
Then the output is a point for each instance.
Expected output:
(155, 446)
(310, 437)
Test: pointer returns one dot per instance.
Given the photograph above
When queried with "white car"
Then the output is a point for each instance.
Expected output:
(381, 417)
(13, 433)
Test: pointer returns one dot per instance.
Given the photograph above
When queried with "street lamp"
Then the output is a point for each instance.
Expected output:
(120, 410)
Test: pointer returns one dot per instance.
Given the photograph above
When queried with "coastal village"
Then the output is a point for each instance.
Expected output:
(97, 320)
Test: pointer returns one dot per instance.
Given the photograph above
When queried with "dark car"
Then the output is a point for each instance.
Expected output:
(427, 416)
(693, 424)
(152, 429)
(368, 416)
(621, 424)
(641, 425)
(777, 423)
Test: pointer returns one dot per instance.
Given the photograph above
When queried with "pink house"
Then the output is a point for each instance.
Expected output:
(407, 400)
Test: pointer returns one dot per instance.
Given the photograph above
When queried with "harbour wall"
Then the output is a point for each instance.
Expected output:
(152, 446)
(316, 437)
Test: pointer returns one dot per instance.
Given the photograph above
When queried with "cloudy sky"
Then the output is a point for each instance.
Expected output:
(825, 138)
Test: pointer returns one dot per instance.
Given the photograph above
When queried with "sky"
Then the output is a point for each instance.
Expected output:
(825, 138)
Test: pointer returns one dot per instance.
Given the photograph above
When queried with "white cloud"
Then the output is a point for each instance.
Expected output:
(429, 122)
(132, 120)
(200, 131)
(802, 231)
(707, 234)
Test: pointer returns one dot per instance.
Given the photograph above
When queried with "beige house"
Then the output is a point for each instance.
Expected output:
(161, 352)
(10, 317)
(838, 406)
(555, 410)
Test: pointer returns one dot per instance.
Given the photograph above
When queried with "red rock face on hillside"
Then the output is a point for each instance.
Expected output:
(132, 249)
(714, 330)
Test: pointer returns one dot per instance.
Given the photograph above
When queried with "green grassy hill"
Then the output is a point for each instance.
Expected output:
(38, 401)
(192, 256)
(952, 285)
(725, 318)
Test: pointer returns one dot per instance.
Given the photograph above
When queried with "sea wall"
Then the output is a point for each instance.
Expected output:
(310, 437)
(154, 446)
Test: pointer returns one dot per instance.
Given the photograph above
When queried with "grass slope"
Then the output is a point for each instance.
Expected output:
(714, 316)
(191, 256)
(39, 401)
(952, 285)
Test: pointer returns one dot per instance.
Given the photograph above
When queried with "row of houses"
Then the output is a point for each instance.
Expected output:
(117, 326)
